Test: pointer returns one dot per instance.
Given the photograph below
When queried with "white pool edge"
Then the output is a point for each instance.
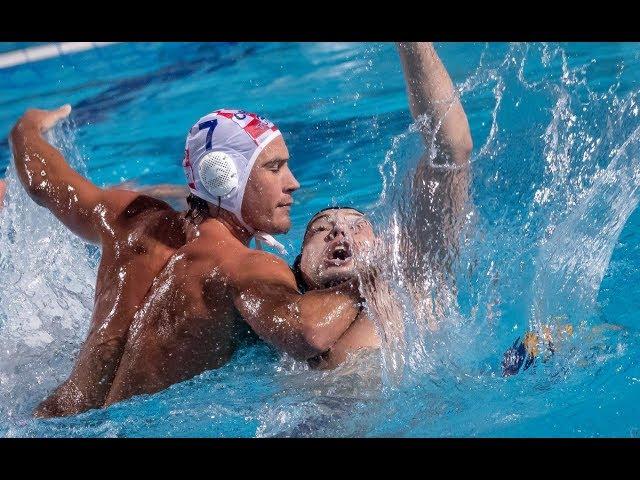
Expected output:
(49, 50)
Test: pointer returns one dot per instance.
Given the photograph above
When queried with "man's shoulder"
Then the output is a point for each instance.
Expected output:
(136, 206)
(231, 254)
(126, 210)
(219, 251)
(260, 266)
(213, 252)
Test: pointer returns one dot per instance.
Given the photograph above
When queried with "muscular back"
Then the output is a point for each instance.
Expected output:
(162, 311)
(187, 322)
(168, 294)
(136, 245)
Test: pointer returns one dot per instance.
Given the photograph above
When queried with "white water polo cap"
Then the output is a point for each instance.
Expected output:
(220, 151)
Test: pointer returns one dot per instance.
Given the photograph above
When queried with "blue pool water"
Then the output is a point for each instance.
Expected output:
(554, 234)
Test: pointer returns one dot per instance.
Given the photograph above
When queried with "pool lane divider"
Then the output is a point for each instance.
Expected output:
(49, 50)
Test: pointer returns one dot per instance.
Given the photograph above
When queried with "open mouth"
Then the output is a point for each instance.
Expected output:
(339, 254)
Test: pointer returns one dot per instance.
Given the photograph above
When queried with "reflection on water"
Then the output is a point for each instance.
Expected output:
(555, 178)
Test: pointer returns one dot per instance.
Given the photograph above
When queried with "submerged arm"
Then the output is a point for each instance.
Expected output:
(90, 379)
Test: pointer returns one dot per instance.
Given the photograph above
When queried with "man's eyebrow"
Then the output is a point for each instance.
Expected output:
(276, 160)
(326, 215)
(315, 219)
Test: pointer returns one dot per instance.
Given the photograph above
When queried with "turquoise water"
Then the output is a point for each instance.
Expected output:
(556, 166)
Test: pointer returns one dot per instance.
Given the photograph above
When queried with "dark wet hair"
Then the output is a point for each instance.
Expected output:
(198, 209)
(295, 268)
(297, 273)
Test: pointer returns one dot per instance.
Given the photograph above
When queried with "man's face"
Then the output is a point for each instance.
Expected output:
(267, 199)
(330, 243)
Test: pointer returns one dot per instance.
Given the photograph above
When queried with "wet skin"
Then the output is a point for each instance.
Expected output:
(3, 190)
(170, 295)
(334, 242)
(174, 298)
(439, 195)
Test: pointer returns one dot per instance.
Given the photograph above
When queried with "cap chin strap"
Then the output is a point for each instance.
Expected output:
(262, 238)
(265, 238)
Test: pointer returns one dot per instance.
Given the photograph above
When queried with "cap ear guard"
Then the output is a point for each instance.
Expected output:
(218, 174)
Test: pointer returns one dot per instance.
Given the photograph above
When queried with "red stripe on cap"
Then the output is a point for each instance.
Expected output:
(189, 169)
(255, 128)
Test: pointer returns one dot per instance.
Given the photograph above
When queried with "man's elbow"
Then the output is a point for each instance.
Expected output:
(465, 146)
(461, 150)
(303, 344)
(37, 190)
(316, 343)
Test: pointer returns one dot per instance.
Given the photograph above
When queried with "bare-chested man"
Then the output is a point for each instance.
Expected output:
(335, 237)
(174, 289)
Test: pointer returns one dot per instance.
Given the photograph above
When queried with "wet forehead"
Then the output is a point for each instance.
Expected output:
(275, 150)
(334, 214)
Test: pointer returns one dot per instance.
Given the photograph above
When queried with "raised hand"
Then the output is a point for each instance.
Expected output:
(43, 120)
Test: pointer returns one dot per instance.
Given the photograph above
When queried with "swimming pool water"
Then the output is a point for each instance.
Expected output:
(556, 168)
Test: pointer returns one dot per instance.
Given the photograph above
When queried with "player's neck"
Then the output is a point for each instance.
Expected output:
(231, 223)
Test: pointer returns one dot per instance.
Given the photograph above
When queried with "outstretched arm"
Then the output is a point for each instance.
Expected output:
(303, 325)
(441, 181)
(83, 207)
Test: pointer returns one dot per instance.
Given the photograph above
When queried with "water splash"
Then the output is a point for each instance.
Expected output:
(572, 262)
(554, 180)
(549, 202)
(46, 282)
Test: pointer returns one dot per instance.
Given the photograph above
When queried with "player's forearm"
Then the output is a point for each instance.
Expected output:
(432, 92)
(303, 325)
(325, 316)
(36, 161)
